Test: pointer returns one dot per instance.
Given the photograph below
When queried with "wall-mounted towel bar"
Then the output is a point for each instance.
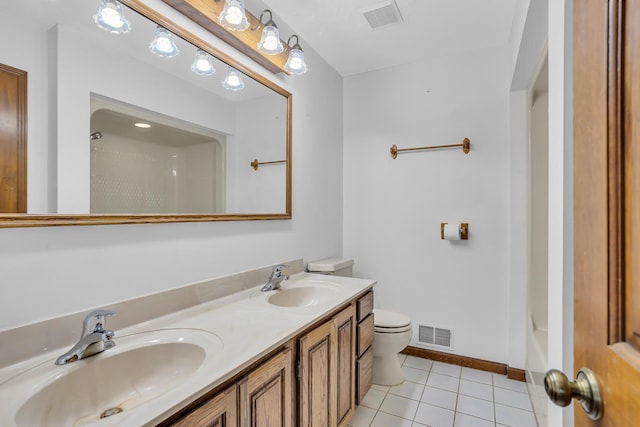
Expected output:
(256, 163)
(466, 146)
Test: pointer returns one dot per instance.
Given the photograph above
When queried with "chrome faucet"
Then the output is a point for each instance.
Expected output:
(274, 280)
(94, 338)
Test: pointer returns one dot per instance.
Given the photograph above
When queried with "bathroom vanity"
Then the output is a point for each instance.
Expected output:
(297, 356)
(323, 369)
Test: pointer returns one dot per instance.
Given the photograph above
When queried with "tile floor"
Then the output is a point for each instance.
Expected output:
(438, 394)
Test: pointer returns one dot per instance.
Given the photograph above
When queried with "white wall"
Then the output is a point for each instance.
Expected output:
(262, 190)
(551, 22)
(530, 50)
(393, 208)
(561, 197)
(47, 272)
(518, 233)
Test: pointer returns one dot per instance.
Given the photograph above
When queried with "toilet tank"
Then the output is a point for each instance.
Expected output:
(332, 266)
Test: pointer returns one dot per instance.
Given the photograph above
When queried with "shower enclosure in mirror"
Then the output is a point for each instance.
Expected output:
(120, 134)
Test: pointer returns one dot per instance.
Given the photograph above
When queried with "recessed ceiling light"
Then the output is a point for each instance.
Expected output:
(143, 125)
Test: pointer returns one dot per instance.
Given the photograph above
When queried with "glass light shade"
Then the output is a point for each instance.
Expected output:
(233, 81)
(233, 16)
(295, 63)
(203, 65)
(163, 44)
(110, 17)
(270, 41)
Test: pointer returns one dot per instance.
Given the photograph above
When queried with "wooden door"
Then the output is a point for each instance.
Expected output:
(318, 377)
(219, 411)
(13, 140)
(266, 393)
(345, 325)
(607, 204)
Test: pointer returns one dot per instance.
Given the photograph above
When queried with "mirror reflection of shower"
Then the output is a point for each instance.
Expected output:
(166, 166)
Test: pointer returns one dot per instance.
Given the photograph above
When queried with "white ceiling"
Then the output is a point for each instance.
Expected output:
(339, 32)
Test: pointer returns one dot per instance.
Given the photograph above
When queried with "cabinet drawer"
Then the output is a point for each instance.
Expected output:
(364, 375)
(364, 306)
(365, 334)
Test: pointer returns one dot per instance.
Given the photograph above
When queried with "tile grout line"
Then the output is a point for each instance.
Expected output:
(455, 412)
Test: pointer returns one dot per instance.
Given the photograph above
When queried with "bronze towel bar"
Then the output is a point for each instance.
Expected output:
(256, 163)
(466, 146)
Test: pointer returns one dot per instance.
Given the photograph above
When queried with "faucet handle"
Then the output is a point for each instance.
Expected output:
(108, 339)
(277, 270)
(95, 320)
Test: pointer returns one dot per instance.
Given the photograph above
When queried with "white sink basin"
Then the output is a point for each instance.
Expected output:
(140, 368)
(303, 295)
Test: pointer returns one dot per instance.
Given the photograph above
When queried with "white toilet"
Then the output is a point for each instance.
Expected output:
(392, 331)
(332, 266)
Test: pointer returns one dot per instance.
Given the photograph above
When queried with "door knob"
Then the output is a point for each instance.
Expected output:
(585, 389)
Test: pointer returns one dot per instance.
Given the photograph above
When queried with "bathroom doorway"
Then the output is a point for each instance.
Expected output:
(536, 363)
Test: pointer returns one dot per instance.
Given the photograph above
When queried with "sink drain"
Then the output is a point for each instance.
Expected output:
(111, 411)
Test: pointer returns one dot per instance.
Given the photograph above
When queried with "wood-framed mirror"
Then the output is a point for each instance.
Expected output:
(88, 88)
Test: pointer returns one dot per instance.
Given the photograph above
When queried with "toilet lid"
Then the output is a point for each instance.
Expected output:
(388, 319)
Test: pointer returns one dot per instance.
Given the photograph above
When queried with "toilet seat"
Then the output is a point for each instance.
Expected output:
(391, 330)
(389, 322)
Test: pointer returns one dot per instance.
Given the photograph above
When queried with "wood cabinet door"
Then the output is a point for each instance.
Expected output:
(364, 375)
(13, 140)
(220, 411)
(318, 377)
(607, 204)
(345, 325)
(266, 393)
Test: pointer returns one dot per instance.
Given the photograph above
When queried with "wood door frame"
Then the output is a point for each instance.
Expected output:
(591, 273)
(21, 131)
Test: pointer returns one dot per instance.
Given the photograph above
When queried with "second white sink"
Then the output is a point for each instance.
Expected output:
(303, 295)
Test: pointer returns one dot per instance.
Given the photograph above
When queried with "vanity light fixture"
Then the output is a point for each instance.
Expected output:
(142, 125)
(270, 41)
(270, 52)
(110, 17)
(233, 81)
(163, 43)
(233, 16)
(295, 64)
(203, 64)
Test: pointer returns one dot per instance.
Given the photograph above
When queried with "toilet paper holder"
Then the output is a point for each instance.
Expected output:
(463, 229)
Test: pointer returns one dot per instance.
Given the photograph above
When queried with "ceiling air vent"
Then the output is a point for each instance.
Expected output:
(383, 14)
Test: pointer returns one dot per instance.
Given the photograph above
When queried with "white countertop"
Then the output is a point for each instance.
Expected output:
(247, 328)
